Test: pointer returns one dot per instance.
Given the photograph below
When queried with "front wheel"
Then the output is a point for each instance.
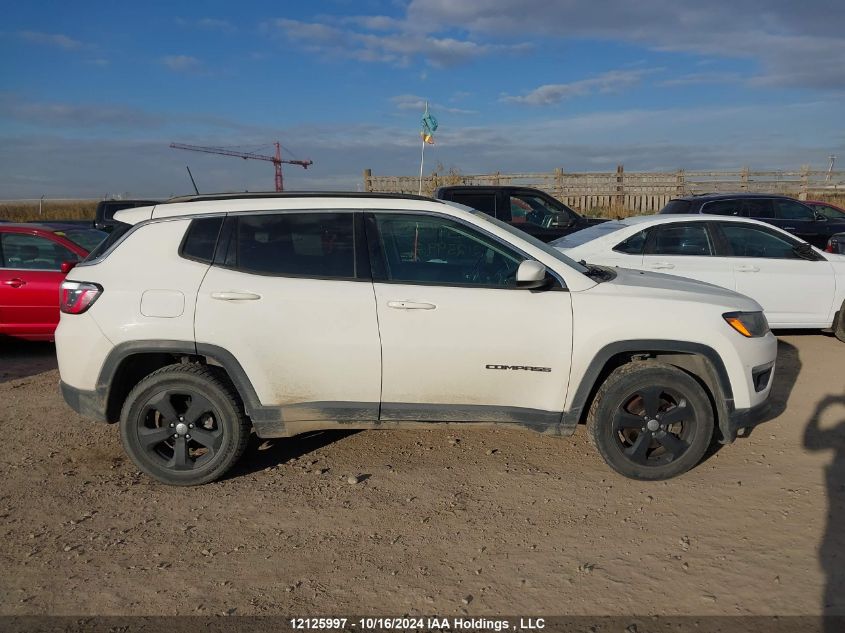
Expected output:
(184, 425)
(839, 324)
(650, 421)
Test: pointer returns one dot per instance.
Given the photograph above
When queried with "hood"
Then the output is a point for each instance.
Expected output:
(641, 283)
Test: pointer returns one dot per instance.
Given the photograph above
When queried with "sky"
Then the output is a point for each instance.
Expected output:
(92, 93)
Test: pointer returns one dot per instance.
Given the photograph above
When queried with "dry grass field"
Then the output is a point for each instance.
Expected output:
(27, 211)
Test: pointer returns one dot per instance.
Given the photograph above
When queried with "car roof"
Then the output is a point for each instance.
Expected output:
(731, 196)
(666, 218)
(311, 200)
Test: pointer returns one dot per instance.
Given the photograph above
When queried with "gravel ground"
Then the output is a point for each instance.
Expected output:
(448, 522)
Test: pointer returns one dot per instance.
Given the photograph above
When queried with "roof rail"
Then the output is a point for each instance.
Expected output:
(206, 197)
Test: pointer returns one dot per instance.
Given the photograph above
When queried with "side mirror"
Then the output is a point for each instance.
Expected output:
(805, 251)
(531, 275)
(67, 267)
(820, 217)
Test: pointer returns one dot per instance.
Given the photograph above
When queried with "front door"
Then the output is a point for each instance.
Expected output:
(30, 274)
(793, 291)
(288, 298)
(459, 341)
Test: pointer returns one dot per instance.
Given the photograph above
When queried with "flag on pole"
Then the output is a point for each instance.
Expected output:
(429, 126)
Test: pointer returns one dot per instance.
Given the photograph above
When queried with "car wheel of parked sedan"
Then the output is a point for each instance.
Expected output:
(839, 324)
(651, 421)
(184, 425)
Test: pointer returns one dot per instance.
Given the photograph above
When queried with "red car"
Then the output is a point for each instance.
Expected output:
(34, 259)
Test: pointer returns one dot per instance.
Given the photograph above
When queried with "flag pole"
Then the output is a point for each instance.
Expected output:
(422, 151)
(422, 160)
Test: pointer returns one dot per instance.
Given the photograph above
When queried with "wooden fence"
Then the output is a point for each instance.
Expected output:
(629, 192)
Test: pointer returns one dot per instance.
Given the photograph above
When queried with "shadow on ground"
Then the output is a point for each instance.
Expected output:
(832, 547)
(261, 454)
(21, 359)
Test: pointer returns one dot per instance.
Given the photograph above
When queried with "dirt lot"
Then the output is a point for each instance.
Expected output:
(443, 522)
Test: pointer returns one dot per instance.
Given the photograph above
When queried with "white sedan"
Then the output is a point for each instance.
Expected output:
(798, 285)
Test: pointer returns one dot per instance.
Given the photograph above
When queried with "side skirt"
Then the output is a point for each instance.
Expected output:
(320, 416)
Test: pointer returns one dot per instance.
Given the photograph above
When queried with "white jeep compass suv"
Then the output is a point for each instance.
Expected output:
(203, 318)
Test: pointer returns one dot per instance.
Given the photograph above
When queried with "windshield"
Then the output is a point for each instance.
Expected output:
(88, 239)
(587, 235)
(552, 252)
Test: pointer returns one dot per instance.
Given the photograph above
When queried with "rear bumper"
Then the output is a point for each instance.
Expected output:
(88, 404)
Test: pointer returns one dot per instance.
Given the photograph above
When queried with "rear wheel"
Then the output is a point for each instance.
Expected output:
(839, 324)
(184, 425)
(651, 421)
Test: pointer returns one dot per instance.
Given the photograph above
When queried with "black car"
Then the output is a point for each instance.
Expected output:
(104, 215)
(525, 208)
(781, 211)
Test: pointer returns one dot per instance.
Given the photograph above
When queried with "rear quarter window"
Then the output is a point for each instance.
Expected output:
(201, 239)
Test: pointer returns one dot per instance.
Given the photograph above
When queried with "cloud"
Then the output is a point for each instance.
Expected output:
(181, 63)
(52, 39)
(611, 81)
(703, 78)
(397, 47)
(794, 44)
(74, 162)
(207, 24)
(413, 102)
(79, 116)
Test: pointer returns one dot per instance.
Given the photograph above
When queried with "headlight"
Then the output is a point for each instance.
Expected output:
(749, 324)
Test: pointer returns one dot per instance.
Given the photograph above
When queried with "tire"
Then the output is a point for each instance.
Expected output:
(839, 324)
(184, 425)
(668, 403)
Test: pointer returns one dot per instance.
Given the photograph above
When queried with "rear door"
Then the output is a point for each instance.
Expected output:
(289, 297)
(687, 249)
(29, 284)
(459, 341)
(793, 291)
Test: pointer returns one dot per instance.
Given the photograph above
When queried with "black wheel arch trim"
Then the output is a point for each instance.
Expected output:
(718, 381)
(219, 355)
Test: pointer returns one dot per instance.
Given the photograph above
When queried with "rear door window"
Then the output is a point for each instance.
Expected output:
(484, 202)
(723, 207)
(318, 245)
(757, 208)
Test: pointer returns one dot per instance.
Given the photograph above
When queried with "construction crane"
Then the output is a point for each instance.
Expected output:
(277, 160)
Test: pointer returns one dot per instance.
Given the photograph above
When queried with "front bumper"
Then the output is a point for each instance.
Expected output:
(746, 419)
(88, 404)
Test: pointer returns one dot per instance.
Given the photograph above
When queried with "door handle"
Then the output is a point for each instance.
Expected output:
(789, 228)
(16, 282)
(233, 295)
(410, 305)
(747, 268)
(662, 266)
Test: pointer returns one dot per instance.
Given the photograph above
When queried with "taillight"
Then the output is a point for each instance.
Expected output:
(75, 297)
(829, 247)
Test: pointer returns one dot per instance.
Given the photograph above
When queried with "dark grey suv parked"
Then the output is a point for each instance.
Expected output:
(784, 212)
